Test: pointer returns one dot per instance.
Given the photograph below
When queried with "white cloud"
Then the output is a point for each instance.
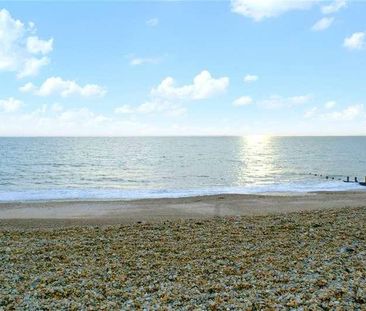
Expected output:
(355, 42)
(167, 98)
(32, 66)
(250, 78)
(153, 22)
(329, 104)
(203, 86)
(20, 48)
(152, 107)
(334, 7)
(243, 101)
(64, 88)
(275, 101)
(81, 115)
(261, 9)
(157, 106)
(36, 45)
(298, 100)
(323, 24)
(54, 120)
(27, 88)
(136, 61)
(48, 121)
(348, 114)
(125, 109)
(10, 105)
(56, 107)
(310, 113)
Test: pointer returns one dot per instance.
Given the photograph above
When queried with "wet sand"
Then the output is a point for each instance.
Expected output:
(70, 213)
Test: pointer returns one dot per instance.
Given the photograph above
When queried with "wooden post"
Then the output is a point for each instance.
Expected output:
(347, 178)
(356, 179)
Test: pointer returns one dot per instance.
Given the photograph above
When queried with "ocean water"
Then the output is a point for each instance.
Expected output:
(148, 167)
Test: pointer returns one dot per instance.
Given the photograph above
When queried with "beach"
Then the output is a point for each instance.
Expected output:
(51, 214)
(217, 252)
(182, 155)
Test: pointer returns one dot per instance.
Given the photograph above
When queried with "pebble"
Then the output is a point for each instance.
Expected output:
(297, 261)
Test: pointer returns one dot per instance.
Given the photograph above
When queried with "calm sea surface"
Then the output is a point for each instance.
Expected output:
(127, 168)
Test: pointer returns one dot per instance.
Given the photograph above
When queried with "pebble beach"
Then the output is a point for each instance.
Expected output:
(313, 260)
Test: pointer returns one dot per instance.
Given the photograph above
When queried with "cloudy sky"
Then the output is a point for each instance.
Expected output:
(240, 67)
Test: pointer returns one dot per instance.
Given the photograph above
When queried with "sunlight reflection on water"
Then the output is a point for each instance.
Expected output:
(118, 167)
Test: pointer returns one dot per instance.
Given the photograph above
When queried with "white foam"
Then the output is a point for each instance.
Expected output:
(118, 194)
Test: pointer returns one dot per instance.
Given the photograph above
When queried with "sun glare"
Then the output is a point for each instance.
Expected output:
(257, 156)
(257, 139)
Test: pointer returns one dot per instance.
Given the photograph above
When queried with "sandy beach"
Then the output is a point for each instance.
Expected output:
(51, 214)
(238, 252)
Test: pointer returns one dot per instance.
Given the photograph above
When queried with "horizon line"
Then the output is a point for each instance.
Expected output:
(172, 136)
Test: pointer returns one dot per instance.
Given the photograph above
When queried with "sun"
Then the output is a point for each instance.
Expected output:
(257, 139)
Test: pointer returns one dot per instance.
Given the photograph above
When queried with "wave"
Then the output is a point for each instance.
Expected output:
(136, 194)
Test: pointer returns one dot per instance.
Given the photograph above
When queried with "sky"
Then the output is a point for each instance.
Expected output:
(132, 68)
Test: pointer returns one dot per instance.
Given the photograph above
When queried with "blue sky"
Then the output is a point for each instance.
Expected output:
(241, 67)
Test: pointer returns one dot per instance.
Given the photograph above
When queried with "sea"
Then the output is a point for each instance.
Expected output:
(127, 168)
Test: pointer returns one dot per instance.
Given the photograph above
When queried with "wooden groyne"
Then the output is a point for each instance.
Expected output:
(348, 180)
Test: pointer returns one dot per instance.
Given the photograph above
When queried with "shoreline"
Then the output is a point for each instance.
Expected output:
(64, 195)
(52, 214)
